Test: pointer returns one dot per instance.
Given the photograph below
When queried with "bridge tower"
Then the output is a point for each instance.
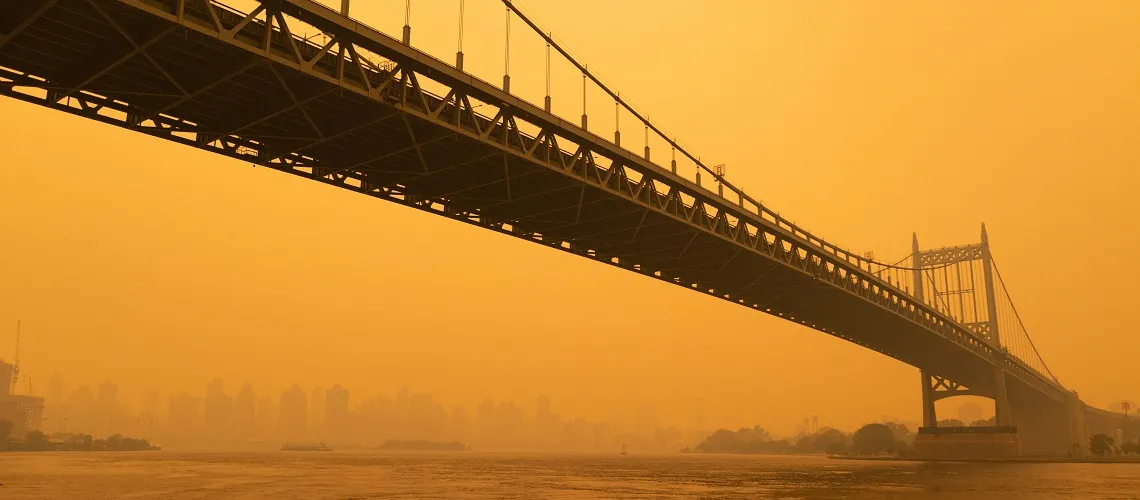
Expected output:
(959, 282)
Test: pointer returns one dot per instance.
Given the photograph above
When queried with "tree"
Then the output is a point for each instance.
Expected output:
(873, 438)
(1101, 445)
(830, 440)
(900, 431)
(1128, 448)
(989, 422)
(35, 441)
(951, 422)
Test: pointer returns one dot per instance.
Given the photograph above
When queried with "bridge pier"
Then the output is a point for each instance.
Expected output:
(1001, 399)
(929, 416)
(1047, 427)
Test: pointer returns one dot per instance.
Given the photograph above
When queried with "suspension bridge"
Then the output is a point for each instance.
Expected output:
(298, 87)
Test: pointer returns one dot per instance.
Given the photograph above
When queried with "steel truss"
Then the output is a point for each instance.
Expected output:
(430, 103)
(942, 388)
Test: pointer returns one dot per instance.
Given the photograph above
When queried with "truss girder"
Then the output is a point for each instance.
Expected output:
(709, 244)
(942, 388)
(950, 255)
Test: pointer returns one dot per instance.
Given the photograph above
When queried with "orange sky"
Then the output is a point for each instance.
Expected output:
(159, 266)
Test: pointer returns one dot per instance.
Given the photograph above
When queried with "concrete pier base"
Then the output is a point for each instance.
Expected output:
(966, 443)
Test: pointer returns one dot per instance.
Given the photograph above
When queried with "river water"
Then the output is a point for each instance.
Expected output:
(364, 475)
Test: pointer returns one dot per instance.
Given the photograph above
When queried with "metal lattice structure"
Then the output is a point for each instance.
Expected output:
(368, 113)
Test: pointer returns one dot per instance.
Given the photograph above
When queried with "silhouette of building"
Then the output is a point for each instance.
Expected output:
(316, 416)
(969, 413)
(293, 413)
(265, 417)
(184, 419)
(645, 419)
(460, 427)
(245, 413)
(7, 377)
(108, 413)
(336, 414)
(25, 412)
(218, 414)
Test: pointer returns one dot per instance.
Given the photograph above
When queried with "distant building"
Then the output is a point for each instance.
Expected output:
(245, 413)
(218, 414)
(7, 376)
(336, 413)
(969, 413)
(26, 413)
(293, 413)
(184, 419)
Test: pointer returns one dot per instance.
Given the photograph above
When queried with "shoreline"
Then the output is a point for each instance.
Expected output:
(1050, 460)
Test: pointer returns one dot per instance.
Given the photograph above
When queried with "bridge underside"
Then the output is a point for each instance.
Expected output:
(371, 131)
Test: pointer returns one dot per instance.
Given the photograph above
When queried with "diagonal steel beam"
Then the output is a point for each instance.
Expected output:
(107, 68)
(342, 133)
(38, 13)
(250, 63)
(389, 154)
(444, 169)
(416, 145)
(141, 49)
(296, 105)
(339, 134)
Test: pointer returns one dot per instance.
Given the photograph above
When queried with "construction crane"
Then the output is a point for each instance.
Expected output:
(16, 365)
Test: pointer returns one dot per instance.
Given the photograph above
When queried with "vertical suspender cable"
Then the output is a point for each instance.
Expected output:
(647, 142)
(408, 22)
(459, 53)
(547, 77)
(507, 55)
(946, 286)
(584, 101)
(961, 292)
(973, 292)
(617, 122)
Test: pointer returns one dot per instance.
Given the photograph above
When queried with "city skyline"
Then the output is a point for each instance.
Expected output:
(243, 415)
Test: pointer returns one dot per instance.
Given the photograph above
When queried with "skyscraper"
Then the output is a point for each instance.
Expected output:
(218, 414)
(336, 414)
(293, 413)
(245, 416)
(108, 411)
(184, 419)
(316, 416)
(265, 417)
(7, 375)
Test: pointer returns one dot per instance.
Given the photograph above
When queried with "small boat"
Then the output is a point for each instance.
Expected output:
(305, 447)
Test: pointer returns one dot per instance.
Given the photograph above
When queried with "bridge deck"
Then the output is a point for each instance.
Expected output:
(219, 80)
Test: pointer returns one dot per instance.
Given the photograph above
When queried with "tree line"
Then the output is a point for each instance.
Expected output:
(875, 438)
(37, 441)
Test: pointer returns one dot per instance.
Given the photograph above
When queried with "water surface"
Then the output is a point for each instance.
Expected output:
(363, 475)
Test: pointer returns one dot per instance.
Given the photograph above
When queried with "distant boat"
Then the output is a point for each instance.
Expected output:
(305, 447)
(623, 450)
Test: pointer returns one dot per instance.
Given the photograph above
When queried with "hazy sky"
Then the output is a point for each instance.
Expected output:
(159, 266)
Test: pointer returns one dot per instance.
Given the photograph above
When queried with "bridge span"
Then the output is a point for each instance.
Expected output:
(370, 113)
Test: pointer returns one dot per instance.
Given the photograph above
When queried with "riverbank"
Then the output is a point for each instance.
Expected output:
(1051, 460)
(37, 441)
